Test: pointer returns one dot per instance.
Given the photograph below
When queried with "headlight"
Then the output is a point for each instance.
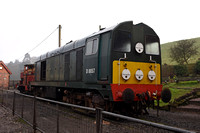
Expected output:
(139, 74)
(126, 74)
(151, 75)
(139, 47)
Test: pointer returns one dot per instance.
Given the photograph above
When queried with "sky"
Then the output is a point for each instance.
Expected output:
(24, 24)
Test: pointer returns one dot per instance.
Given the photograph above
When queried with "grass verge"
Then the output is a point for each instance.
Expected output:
(179, 90)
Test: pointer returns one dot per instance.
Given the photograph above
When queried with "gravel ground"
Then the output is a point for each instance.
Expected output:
(10, 124)
(186, 120)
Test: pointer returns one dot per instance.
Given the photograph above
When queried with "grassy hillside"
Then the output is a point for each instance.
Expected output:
(165, 52)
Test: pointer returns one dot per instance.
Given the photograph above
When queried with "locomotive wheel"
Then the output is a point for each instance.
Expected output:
(88, 102)
(98, 101)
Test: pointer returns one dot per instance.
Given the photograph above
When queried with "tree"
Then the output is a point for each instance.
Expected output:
(17, 61)
(27, 58)
(197, 67)
(183, 51)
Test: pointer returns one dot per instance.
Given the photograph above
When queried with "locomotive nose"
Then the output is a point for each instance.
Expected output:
(128, 95)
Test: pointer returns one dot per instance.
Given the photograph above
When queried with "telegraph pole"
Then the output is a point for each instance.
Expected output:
(59, 36)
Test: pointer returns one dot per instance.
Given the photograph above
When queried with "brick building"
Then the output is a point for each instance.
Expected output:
(4, 76)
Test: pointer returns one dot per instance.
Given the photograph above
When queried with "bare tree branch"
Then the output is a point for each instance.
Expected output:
(183, 51)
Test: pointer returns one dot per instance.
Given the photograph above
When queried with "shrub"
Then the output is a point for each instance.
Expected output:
(180, 70)
(197, 67)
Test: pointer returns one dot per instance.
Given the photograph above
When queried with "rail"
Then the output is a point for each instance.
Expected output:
(47, 115)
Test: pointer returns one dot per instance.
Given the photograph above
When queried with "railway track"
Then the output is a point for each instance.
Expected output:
(193, 106)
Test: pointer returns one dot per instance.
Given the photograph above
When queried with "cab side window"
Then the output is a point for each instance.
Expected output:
(91, 46)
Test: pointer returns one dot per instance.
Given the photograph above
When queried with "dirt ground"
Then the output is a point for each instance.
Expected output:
(10, 124)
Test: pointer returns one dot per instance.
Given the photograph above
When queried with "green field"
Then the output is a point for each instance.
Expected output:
(165, 52)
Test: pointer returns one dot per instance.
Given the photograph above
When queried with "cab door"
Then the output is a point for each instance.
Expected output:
(91, 60)
(104, 56)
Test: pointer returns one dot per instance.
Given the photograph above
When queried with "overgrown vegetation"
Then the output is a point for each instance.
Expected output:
(21, 121)
(180, 70)
(183, 85)
(197, 67)
(178, 90)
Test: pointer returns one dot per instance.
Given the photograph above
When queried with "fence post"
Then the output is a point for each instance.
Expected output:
(22, 113)
(13, 110)
(34, 114)
(57, 106)
(2, 97)
(98, 120)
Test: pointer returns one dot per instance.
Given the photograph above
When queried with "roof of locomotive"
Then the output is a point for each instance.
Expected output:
(75, 44)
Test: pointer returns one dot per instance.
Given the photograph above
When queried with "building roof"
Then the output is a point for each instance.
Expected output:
(1, 62)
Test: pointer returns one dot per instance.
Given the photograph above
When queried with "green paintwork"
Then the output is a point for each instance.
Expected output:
(97, 68)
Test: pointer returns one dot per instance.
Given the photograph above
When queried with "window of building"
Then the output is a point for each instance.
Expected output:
(91, 47)
(122, 41)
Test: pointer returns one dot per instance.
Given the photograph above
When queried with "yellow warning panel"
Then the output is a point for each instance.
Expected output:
(127, 72)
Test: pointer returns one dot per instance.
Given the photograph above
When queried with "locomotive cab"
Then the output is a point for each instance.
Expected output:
(26, 76)
(96, 59)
